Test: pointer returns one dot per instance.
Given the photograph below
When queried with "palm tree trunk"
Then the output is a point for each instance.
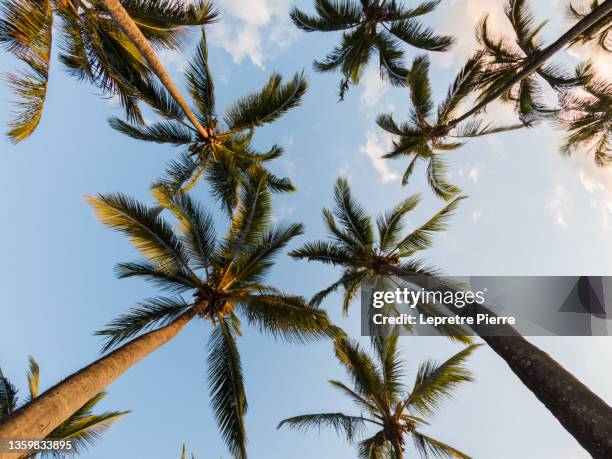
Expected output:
(581, 412)
(399, 449)
(123, 19)
(40, 417)
(539, 59)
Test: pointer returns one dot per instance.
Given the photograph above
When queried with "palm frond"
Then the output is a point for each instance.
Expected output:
(351, 215)
(349, 426)
(197, 231)
(145, 228)
(26, 31)
(172, 132)
(268, 105)
(199, 79)
(286, 317)
(435, 382)
(228, 398)
(176, 282)
(361, 368)
(390, 224)
(420, 239)
(414, 33)
(332, 15)
(437, 173)
(430, 447)
(420, 90)
(8, 396)
(33, 378)
(148, 314)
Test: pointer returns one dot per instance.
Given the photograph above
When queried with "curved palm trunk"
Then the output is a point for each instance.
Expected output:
(123, 19)
(580, 411)
(540, 59)
(40, 417)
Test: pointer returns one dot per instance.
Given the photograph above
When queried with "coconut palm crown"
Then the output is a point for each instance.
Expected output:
(224, 281)
(366, 254)
(427, 134)
(504, 58)
(600, 32)
(386, 405)
(91, 47)
(83, 428)
(225, 155)
(587, 117)
(370, 26)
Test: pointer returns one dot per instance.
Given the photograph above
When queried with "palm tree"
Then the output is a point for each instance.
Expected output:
(226, 153)
(365, 256)
(598, 32)
(83, 427)
(504, 59)
(386, 405)
(224, 278)
(581, 412)
(91, 48)
(370, 26)
(425, 135)
(537, 60)
(588, 120)
(184, 453)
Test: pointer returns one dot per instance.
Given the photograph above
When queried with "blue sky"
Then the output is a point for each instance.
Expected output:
(530, 212)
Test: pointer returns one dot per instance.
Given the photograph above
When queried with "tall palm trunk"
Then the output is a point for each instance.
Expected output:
(539, 59)
(123, 19)
(580, 411)
(38, 418)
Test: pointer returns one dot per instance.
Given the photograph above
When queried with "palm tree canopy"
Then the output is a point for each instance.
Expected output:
(600, 32)
(368, 27)
(428, 133)
(384, 402)
(227, 153)
(225, 280)
(588, 119)
(503, 58)
(83, 428)
(92, 48)
(365, 250)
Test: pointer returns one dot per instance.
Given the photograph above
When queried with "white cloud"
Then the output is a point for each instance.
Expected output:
(460, 18)
(558, 204)
(375, 147)
(477, 215)
(254, 29)
(474, 174)
(373, 88)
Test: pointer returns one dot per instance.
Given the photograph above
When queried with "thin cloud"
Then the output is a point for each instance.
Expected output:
(375, 147)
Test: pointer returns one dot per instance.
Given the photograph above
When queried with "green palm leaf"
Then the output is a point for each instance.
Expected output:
(349, 426)
(228, 398)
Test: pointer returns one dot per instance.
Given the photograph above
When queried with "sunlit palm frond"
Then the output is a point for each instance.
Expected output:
(437, 177)
(366, 378)
(416, 34)
(26, 31)
(146, 229)
(84, 427)
(196, 227)
(33, 377)
(588, 120)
